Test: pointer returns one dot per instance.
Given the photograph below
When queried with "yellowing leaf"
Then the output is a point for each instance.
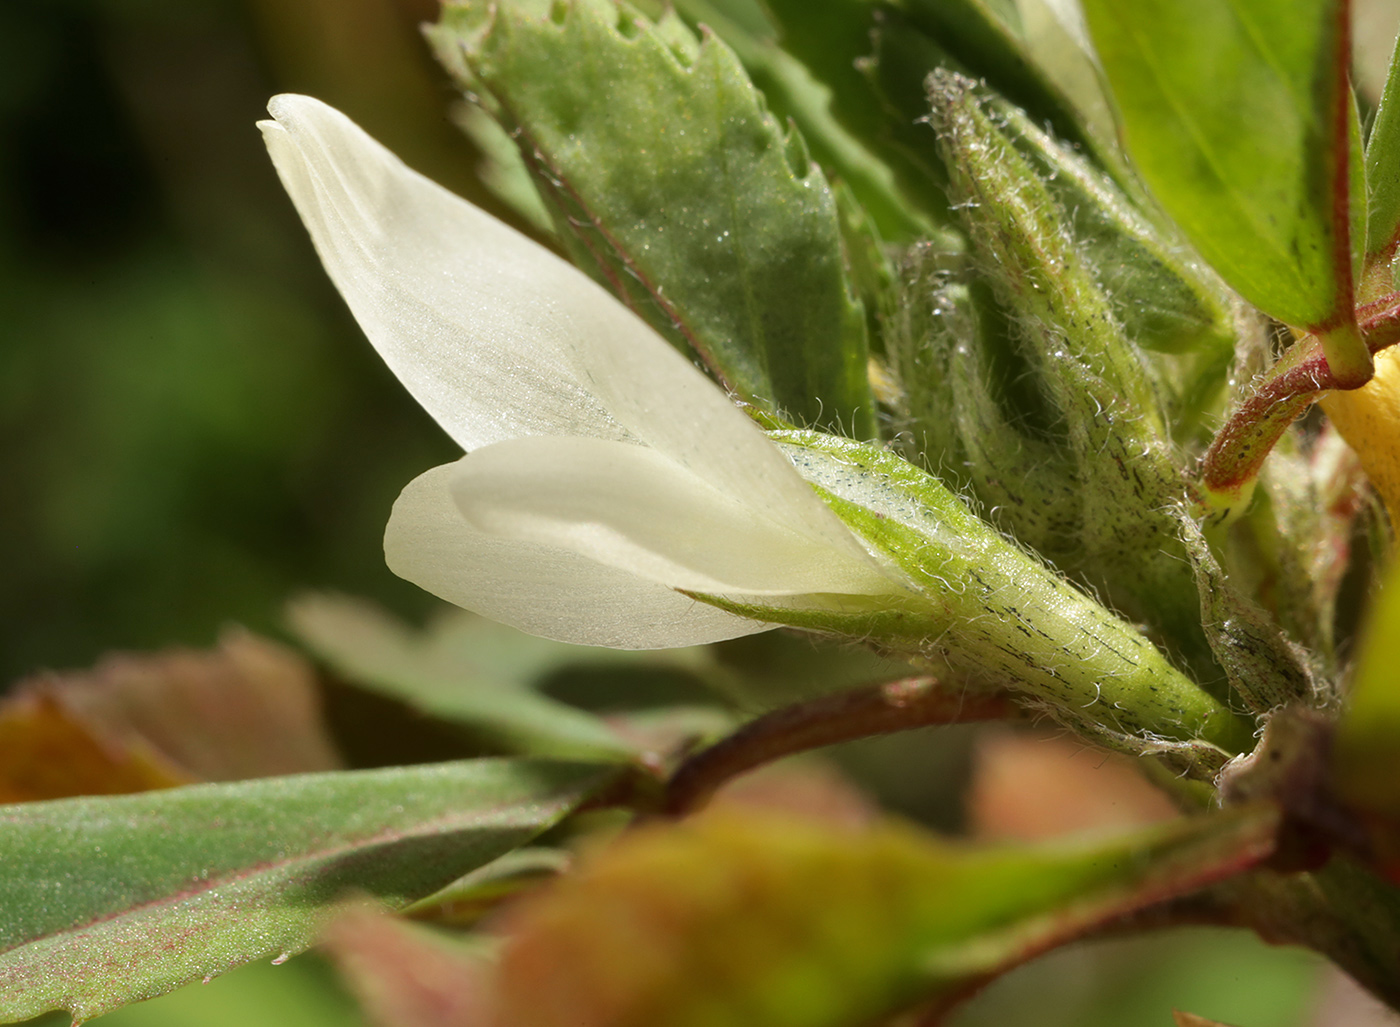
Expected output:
(46, 753)
(137, 722)
(740, 917)
(1192, 1020)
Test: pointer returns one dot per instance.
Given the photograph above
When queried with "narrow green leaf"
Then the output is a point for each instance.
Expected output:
(1159, 292)
(1238, 116)
(1383, 167)
(112, 900)
(467, 899)
(985, 47)
(730, 918)
(463, 669)
(671, 182)
(503, 171)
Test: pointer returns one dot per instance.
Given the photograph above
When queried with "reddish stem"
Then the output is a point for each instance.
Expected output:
(1238, 450)
(1346, 351)
(877, 710)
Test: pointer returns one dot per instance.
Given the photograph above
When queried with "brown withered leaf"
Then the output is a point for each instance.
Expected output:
(247, 708)
(806, 787)
(1192, 1020)
(46, 753)
(1027, 787)
(408, 976)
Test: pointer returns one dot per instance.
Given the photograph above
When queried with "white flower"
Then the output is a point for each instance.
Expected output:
(603, 471)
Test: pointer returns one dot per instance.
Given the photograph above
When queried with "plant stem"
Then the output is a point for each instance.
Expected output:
(1231, 464)
(880, 709)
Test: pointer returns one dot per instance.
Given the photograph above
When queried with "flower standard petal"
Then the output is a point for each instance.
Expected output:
(498, 338)
(539, 588)
(630, 507)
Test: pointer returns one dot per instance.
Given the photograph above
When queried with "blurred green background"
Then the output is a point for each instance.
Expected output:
(192, 428)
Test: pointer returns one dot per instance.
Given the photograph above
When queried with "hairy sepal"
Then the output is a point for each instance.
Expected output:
(985, 605)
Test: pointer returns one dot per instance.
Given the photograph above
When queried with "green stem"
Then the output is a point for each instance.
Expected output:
(1348, 357)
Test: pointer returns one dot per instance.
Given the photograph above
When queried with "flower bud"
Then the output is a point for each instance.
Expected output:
(994, 612)
(1106, 420)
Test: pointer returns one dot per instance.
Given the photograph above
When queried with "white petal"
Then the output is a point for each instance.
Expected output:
(537, 588)
(631, 508)
(497, 337)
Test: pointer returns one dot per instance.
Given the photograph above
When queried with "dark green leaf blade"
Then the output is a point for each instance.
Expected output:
(112, 900)
(1237, 116)
(671, 182)
(831, 41)
(984, 46)
(793, 91)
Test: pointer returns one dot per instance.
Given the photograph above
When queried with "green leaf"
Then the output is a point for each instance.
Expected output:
(671, 182)
(503, 171)
(744, 918)
(985, 47)
(832, 40)
(792, 91)
(1382, 161)
(463, 669)
(112, 900)
(1239, 118)
(470, 897)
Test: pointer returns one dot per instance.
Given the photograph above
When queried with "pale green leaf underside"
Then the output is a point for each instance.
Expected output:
(671, 182)
(1228, 111)
(464, 669)
(112, 900)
